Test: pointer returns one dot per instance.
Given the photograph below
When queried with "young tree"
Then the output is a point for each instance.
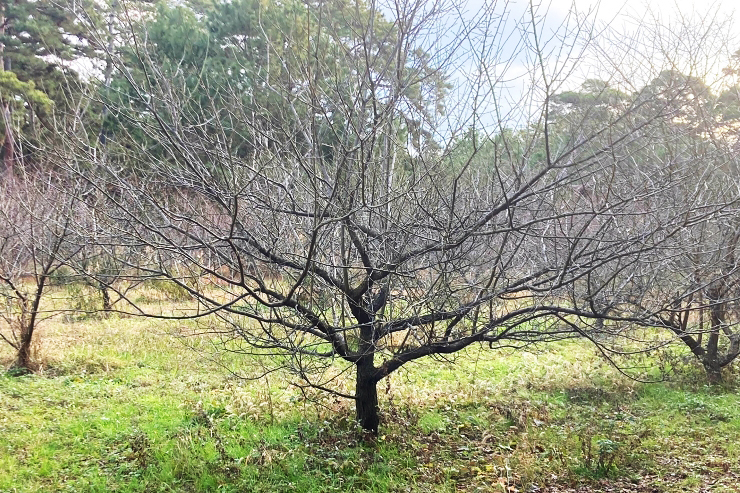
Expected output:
(374, 221)
(35, 234)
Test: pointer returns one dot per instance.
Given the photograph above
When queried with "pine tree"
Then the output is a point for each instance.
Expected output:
(37, 40)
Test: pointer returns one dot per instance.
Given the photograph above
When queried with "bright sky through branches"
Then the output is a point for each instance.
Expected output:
(608, 10)
(631, 39)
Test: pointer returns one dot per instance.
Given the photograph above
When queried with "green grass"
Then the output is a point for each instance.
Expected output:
(122, 405)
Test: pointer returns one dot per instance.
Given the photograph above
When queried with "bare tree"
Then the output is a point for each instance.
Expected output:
(35, 233)
(344, 207)
(702, 291)
(692, 288)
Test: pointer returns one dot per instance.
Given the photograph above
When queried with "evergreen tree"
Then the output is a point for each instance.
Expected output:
(37, 40)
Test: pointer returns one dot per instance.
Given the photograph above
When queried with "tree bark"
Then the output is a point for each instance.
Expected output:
(9, 140)
(23, 361)
(366, 396)
(8, 143)
(714, 372)
(711, 359)
(103, 288)
(366, 391)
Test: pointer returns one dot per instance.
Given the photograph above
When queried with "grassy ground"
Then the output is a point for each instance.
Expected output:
(122, 405)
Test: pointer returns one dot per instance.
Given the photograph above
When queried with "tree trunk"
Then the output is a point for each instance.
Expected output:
(711, 359)
(103, 288)
(366, 396)
(108, 73)
(714, 372)
(366, 391)
(9, 140)
(22, 363)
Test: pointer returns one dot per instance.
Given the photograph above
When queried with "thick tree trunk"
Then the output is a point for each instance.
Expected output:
(714, 373)
(366, 391)
(366, 396)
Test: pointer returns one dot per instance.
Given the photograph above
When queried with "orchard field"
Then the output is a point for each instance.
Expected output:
(129, 404)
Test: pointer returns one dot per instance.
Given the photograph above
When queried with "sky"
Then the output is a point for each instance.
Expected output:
(608, 10)
(704, 29)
